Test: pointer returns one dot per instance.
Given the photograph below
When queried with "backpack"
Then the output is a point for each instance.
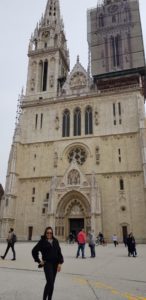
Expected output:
(14, 238)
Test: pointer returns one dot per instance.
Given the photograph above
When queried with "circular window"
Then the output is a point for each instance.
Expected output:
(78, 154)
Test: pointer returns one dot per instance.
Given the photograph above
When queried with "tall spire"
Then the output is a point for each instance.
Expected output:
(52, 12)
(48, 69)
(52, 9)
(51, 21)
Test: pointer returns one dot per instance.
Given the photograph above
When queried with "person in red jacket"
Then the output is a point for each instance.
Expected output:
(81, 239)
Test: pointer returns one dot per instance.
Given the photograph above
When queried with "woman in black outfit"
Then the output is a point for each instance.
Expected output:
(52, 260)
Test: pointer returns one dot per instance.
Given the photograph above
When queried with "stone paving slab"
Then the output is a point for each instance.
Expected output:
(112, 275)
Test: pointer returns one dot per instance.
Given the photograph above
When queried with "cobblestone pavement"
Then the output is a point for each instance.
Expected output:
(112, 275)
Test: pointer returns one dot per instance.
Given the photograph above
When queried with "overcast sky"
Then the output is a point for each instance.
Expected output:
(18, 19)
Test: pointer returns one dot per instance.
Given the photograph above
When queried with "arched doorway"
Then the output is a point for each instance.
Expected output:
(73, 213)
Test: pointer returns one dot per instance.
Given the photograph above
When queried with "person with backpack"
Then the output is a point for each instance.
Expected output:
(11, 240)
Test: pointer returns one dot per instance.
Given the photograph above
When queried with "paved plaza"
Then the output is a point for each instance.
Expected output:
(112, 275)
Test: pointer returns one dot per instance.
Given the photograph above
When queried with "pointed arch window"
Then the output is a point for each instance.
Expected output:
(43, 75)
(115, 50)
(121, 184)
(66, 123)
(77, 122)
(40, 74)
(88, 120)
(101, 20)
(117, 43)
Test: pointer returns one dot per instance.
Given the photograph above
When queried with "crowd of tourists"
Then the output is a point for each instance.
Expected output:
(51, 256)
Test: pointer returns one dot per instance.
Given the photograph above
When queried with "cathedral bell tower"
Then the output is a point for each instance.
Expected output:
(48, 55)
(116, 43)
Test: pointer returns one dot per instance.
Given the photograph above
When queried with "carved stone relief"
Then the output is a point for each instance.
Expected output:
(97, 155)
(76, 211)
(78, 80)
(55, 159)
(74, 177)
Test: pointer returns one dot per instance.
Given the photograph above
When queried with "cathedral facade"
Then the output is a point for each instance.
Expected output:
(78, 157)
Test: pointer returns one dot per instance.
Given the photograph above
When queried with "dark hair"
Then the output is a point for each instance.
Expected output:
(11, 229)
(48, 228)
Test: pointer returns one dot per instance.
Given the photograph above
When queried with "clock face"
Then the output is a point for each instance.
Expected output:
(113, 8)
(45, 34)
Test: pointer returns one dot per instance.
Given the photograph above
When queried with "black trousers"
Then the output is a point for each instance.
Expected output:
(115, 243)
(10, 245)
(92, 249)
(50, 273)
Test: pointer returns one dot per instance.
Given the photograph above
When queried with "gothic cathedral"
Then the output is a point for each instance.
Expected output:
(78, 157)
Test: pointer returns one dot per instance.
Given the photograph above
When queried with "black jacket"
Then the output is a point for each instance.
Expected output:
(50, 253)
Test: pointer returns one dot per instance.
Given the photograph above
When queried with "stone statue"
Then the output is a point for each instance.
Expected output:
(55, 160)
(96, 118)
(51, 81)
(57, 123)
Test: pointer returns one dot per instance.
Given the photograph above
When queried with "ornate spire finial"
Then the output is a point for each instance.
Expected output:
(78, 59)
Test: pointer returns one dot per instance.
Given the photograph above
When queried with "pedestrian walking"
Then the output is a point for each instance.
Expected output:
(71, 238)
(91, 242)
(101, 238)
(51, 260)
(81, 239)
(11, 240)
(131, 245)
(115, 240)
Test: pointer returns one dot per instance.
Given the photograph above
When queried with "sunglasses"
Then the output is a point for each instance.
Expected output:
(49, 232)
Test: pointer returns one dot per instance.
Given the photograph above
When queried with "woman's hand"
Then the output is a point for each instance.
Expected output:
(41, 264)
(59, 268)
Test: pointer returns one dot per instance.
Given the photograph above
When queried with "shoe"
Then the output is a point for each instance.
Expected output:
(2, 257)
(83, 257)
(13, 259)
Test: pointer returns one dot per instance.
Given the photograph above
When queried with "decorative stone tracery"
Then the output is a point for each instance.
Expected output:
(78, 154)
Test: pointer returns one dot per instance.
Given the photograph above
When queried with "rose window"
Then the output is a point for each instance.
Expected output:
(78, 154)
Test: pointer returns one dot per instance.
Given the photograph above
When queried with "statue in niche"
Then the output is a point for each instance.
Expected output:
(57, 122)
(32, 84)
(97, 156)
(96, 118)
(51, 81)
(74, 178)
(55, 159)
